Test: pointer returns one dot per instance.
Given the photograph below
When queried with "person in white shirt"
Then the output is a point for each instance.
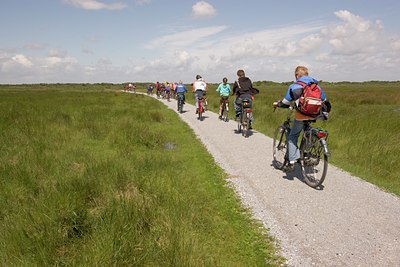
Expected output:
(199, 89)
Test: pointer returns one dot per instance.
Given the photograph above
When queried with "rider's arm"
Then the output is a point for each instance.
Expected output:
(235, 87)
(280, 104)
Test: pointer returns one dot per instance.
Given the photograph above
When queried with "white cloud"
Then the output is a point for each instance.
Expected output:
(22, 60)
(185, 38)
(355, 35)
(203, 9)
(95, 5)
(143, 2)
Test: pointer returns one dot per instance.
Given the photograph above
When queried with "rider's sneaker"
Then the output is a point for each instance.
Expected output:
(220, 117)
(288, 168)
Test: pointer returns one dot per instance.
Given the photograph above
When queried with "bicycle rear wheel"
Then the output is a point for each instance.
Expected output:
(245, 124)
(180, 105)
(201, 110)
(279, 147)
(314, 162)
(225, 112)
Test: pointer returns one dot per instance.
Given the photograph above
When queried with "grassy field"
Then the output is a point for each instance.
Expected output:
(93, 177)
(364, 126)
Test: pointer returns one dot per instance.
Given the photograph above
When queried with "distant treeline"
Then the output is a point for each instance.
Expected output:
(256, 83)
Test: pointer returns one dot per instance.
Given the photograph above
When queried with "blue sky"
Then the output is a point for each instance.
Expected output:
(60, 41)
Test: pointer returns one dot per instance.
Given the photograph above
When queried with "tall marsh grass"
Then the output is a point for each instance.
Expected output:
(93, 177)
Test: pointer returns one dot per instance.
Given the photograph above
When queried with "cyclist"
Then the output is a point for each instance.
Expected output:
(181, 90)
(243, 88)
(293, 94)
(150, 88)
(168, 90)
(162, 90)
(224, 89)
(199, 89)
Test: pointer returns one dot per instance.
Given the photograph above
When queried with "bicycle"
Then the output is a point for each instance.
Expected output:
(224, 109)
(245, 117)
(200, 109)
(314, 153)
(168, 95)
(180, 102)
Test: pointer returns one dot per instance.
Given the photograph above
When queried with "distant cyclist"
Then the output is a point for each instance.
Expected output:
(150, 88)
(224, 90)
(168, 91)
(180, 90)
(200, 89)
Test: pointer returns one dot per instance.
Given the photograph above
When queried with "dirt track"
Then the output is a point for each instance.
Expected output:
(348, 223)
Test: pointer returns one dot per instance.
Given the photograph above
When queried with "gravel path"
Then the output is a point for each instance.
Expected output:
(348, 223)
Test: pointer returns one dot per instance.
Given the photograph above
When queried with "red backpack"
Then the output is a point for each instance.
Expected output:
(310, 102)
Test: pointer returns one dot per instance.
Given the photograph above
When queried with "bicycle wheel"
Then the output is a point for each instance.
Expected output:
(180, 105)
(314, 162)
(245, 125)
(201, 110)
(239, 124)
(225, 112)
(279, 147)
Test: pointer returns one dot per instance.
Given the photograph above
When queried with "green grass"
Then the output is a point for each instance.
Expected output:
(93, 177)
(364, 126)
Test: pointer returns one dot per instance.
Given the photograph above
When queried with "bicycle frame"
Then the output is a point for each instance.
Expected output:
(180, 102)
(201, 108)
(313, 162)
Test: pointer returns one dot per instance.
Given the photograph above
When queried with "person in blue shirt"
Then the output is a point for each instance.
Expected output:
(180, 90)
(224, 89)
(293, 94)
(150, 88)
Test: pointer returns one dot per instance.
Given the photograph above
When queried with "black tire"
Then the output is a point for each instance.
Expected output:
(246, 121)
(180, 106)
(314, 162)
(239, 126)
(200, 114)
(279, 148)
(225, 113)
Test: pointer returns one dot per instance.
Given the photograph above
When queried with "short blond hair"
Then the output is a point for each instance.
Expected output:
(300, 72)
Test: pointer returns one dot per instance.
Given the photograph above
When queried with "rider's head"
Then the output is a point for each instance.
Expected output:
(240, 73)
(225, 80)
(300, 72)
(198, 77)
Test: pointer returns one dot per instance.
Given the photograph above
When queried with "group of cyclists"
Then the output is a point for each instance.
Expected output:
(243, 89)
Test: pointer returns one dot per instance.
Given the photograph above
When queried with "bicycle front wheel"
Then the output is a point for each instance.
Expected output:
(314, 162)
(279, 147)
